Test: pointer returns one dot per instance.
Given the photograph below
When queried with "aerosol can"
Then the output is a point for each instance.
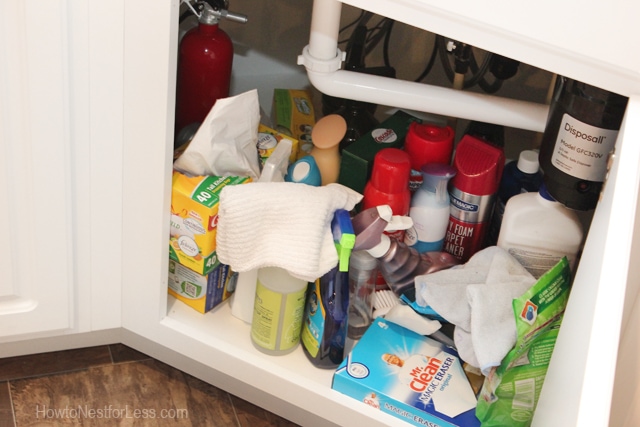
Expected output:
(205, 58)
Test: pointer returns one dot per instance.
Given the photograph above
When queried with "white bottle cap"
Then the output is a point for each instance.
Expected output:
(528, 161)
(381, 248)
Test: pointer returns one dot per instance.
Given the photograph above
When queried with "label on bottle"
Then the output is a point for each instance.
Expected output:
(468, 223)
(537, 262)
(582, 150)
(277, 318)
(313, 328)
(429, 228)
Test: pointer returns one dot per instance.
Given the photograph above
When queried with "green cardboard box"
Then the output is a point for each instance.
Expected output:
(357, 158)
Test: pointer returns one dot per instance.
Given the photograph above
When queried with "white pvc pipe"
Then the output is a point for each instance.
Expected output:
(325, 26)
(322, 59)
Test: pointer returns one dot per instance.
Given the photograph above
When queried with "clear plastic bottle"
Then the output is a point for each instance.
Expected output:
(363, 270)
(398, 263)
(538, 231)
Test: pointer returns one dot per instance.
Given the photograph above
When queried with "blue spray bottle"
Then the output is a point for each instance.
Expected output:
(430, 209)
(324, 328)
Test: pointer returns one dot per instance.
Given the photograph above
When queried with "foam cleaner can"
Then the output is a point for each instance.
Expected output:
(479, 167)
(580, 134)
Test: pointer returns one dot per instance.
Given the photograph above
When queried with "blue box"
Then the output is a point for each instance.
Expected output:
(430, 381)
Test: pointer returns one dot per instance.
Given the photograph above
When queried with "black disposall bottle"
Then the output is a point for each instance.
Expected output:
(580, 134)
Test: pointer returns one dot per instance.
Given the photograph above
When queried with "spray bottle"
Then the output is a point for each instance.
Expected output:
(324, 329)
(430, 209)
(398, 263)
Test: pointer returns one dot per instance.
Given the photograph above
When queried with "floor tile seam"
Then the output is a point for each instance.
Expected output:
(233, 407)
(55, 373)
(13, 409)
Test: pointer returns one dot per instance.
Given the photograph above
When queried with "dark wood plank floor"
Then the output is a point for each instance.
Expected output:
(115, 385)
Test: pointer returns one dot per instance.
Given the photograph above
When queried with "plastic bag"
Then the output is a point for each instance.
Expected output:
(510, 392)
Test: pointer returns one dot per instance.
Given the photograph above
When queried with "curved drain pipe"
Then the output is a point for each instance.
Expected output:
(323, 59)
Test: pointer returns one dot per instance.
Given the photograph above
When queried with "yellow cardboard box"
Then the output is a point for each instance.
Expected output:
(194, 217)
(293, 114)
(202, 293)
(269, 138)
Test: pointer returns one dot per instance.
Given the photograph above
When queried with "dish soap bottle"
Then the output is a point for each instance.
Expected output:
(430, 209)
(324, 329)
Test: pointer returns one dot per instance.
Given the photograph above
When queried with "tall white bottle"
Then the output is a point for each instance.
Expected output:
(430, 209)
(538, 231)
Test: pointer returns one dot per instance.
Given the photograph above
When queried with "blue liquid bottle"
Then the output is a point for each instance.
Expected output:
(324, 329)
(521, 176)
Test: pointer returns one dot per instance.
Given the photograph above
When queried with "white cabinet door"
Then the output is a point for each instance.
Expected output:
(60, 167)
(36, 187)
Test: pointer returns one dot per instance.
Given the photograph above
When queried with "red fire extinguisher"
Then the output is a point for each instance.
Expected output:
(204, 65)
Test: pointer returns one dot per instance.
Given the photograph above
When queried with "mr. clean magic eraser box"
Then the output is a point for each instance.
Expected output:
(409, 376)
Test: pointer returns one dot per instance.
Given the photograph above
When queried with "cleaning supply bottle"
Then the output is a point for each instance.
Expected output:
(479, 167)
(326, 136)
(430, 209)
(398, 263)
(538, 231)
(427, 143)
(363, 270)
(278, 311)
(581, 132)
(389, 183)
(521, 176)
(325, 324)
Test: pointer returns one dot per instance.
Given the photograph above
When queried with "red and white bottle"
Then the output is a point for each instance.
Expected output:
(473, 190)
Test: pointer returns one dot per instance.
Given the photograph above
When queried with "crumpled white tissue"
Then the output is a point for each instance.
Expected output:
(225, 143)
(281, 224)
(477, 298)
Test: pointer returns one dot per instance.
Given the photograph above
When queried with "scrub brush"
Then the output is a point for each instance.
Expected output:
(383, 301)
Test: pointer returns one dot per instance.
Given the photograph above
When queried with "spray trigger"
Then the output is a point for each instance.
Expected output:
(399, 222)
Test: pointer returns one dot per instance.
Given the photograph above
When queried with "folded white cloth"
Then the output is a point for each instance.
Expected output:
(281, 224)
(477, 298)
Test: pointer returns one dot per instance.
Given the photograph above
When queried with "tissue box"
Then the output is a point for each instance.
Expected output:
(357, 158)
(293, 114)
(194, 216)
(409, 376)
(269, 138)
(201, 292)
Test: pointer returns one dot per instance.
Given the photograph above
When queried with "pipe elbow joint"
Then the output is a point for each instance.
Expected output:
(317, 65)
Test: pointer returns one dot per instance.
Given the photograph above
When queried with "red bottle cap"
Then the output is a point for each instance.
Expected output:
(389, 182)
(391, 169)
(479, 165)
(427, 143)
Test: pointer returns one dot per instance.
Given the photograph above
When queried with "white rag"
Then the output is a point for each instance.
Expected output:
(477, 298)
(281, 224)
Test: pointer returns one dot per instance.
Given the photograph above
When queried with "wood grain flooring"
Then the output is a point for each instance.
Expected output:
(115, 386)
